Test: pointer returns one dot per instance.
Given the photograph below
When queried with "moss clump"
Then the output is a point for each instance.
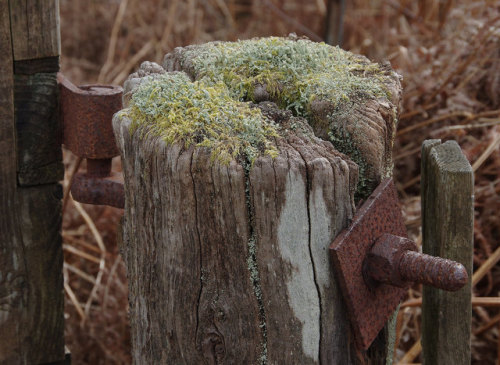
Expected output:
(294, 72)
(179, 110)
(212, 107)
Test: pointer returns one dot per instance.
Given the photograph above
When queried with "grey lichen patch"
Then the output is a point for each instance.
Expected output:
(312, 80)
(147, 68)
(205, 95)
(173, 107)
(290, 71)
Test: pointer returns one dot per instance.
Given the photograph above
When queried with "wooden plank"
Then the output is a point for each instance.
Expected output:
(35, 29)
(40, 219)
(38, 130)
(31, 295)
(13, 278)
(447, 225)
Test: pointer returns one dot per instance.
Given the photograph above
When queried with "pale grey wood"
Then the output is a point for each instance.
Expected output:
(35, 29)
(447, 227)
(185, 243)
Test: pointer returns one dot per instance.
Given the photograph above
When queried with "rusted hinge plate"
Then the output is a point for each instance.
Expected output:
(369, 308)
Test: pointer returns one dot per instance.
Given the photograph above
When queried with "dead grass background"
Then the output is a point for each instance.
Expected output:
(448, 52)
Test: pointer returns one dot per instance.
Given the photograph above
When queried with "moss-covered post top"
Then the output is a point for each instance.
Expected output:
(212, 95)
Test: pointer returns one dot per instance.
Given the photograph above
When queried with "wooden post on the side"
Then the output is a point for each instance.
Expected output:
(447, 224)
(31, 279)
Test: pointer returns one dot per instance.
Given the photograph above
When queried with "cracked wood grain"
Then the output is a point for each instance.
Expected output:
(228, 265)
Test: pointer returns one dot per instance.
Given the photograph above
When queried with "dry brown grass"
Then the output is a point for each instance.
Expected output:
(448, 53)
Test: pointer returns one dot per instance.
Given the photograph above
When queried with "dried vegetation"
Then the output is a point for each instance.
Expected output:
(449, 55)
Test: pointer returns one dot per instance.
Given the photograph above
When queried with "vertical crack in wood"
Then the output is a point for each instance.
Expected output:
(253, 267)
(308, 188)
(199, 241)
(218, 341)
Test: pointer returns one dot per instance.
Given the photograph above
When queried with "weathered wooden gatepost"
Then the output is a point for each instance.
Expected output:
(31, 257)
(232, 201)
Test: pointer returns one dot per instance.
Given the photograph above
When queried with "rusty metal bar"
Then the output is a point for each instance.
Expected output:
(395, 261)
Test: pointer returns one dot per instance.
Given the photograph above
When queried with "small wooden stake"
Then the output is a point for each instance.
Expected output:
(447, 225)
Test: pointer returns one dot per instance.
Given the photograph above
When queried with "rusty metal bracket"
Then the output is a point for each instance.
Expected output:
(86, 113)
(376, 263)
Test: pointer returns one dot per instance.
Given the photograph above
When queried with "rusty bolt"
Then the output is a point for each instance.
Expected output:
(395, 261)
(434, 271)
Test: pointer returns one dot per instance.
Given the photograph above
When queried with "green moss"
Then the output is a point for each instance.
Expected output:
(214, 110)
(342, 141)
(178, 110)
(293, 71)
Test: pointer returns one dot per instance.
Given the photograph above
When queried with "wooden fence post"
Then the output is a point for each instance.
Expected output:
(447, 225)
(31, 279)
(228, 261)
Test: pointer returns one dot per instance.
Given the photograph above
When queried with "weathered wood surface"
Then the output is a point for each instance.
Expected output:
(447, 227)
(31, 297)
(35, 29)
(239, 260)
(13, 276)
(364, 130)
(38, 131)
(43, 256)
(39, 65)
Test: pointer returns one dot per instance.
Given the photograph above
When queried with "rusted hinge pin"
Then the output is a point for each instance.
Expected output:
(86, 112)
(394, 260)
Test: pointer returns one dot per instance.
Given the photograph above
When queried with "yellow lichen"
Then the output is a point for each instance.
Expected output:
(178, 110)
(214, 111)
(294, 71)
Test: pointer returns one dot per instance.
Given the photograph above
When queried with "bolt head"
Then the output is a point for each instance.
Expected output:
(381, 265)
